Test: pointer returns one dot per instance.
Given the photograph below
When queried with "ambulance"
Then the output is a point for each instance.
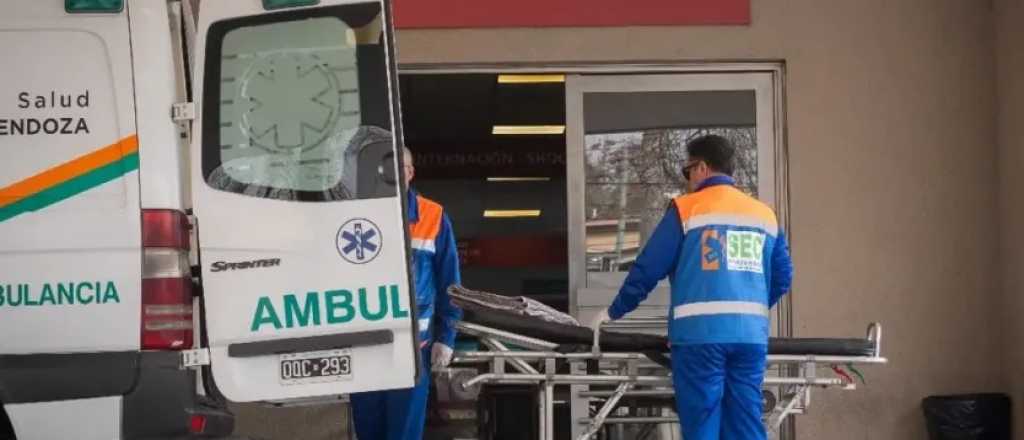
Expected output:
(200, 202)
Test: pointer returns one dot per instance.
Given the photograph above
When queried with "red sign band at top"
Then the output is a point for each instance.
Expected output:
(568, 13)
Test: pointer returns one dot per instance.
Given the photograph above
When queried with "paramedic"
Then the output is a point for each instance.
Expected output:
(728, 264)
(401, 414)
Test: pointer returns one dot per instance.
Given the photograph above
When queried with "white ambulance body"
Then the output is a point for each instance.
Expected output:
(198, 202)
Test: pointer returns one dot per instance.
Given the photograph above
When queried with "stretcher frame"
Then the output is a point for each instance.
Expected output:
(633, 374)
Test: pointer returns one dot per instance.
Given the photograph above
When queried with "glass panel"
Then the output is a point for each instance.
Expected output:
(291, 122)
(506, 195)
(631, 176)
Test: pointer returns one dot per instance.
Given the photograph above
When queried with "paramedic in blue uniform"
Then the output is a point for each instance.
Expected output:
(401, 414)
(728, 263)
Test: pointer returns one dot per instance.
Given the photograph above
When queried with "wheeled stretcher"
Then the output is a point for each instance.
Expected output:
(617, 378)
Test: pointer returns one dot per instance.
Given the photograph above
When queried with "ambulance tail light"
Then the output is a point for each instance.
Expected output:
(197, 424)
(165, 228)
(166, 281)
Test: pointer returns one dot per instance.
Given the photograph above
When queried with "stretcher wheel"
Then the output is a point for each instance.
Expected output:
(450, 386)
(768, 401)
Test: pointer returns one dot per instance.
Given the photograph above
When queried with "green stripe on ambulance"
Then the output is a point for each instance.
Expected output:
(330, 307)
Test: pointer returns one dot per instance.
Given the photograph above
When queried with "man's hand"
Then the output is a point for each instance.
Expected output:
(601, 318)
(440, 356)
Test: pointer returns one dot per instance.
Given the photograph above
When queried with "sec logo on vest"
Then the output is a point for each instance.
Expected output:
(742, 251)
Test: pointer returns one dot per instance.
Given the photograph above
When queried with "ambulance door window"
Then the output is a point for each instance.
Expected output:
(298, 109)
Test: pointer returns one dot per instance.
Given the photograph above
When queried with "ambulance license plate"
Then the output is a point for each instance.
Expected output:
(316, 367)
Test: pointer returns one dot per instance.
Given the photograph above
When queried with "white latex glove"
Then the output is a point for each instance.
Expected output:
(601, 318)
(440, 356)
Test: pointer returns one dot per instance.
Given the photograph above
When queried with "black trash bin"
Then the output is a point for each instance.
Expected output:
(968, 417)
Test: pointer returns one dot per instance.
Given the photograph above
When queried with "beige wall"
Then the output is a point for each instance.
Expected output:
(1010, 92)
(891, 132)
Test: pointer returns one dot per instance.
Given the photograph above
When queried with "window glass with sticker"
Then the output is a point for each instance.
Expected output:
(299, 109)
(633, 172)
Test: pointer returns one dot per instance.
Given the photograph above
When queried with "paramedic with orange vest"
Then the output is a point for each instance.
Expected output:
(401, 414)
(728, 263)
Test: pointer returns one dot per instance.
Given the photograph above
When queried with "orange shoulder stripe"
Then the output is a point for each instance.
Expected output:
(429, 224)
(724, 200)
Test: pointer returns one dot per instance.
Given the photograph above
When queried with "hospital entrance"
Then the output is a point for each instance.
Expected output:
(554, 179)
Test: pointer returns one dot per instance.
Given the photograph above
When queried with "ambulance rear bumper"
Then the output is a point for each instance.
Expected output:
(159, 399)
(164, 402)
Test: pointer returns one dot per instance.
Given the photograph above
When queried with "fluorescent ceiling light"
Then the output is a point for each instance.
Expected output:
(528, 129)
(518, 179)
(511, 213)
(530, 79)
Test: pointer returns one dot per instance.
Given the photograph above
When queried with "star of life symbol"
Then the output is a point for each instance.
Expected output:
(289, 102)
(359, 241)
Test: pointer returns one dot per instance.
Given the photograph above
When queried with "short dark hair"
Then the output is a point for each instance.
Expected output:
(716, 151)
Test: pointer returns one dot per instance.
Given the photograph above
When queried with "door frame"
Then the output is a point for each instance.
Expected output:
(777, 72)
(577, 85)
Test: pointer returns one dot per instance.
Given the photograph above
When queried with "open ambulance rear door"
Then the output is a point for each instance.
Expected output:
(297, 200)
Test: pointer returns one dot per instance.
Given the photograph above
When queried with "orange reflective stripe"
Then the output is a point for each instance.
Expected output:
(429, 224)
(723, 200)
(68, 170)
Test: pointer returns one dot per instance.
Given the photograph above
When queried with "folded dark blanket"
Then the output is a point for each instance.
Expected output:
(574, 338)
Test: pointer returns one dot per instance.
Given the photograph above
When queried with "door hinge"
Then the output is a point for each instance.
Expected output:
(183, 112)
(195, 358)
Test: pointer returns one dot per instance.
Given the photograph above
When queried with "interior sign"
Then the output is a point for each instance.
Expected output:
(568, 13)
(51, 123)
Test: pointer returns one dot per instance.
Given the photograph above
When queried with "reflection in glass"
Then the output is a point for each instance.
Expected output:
(299, 109)
(290, 103)
(632, 176)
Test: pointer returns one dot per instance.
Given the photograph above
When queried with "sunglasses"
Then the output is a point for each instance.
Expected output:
(688, 168)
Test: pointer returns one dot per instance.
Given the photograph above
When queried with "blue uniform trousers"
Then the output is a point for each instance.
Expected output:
(718, 390)
(393, 414)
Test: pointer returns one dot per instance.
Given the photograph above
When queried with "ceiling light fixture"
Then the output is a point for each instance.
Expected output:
(530, 79)
(528, 129)
(518, 179)
(511, 213)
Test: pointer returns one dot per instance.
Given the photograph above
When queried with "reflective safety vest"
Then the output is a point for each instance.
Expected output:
(720, 284)
(435, 269)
